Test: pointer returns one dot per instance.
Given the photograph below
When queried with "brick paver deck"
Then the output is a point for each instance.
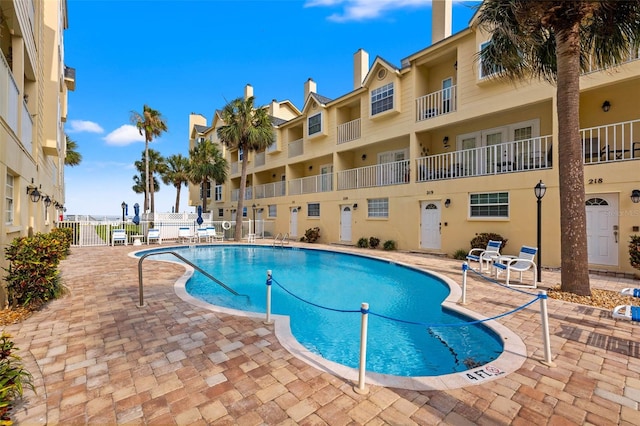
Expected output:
(98, 358)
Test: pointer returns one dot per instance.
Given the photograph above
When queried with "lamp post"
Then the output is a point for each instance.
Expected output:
(124, 206)
(254, 218)
(539, 190)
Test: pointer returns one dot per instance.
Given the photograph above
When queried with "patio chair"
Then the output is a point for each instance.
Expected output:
(154, 234)
(118, 236)
(485, 255)
(522, 263)
(627, 312)
(184, 234)
(201, 234)
(213, 235)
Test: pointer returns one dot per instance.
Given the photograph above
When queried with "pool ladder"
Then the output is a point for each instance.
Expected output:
(282, 239)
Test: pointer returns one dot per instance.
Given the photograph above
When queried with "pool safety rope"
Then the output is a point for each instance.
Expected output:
(365, 311)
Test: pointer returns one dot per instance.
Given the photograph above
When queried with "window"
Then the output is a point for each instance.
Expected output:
(244, 212)
(313, 209)
(220, 212)
(240, 153)
(315, 124)
(206, 185)
(487, 69)
(273, 210)
(492, 204)
(378, 207)
(218, 192)
(382, 99)
(8, 205)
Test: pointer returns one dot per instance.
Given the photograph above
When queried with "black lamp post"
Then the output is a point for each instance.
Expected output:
(539, 190)
(124, 206)
(254, 218)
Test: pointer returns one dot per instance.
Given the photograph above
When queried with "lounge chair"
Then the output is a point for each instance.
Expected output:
(485, 255)
(627, 312)
(154, 234)
(522, 263)
(213, 235)
(118, 236)
(633, 292)
(201, 234)
(184, 234)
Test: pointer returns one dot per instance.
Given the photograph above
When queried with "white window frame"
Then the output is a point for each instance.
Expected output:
(378, 208)
(9, 204)
(481, 74)
(380, 96)
(313, 209)
(489, 204)
(218, 192)
(314, 125)
(273, 210)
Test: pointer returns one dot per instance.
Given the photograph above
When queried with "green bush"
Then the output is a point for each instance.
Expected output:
(481, 240)
(634, 251)
(363, 242)
(460, 254)
(13, 378)
(374, 242)
(311, 235)
(389, 245)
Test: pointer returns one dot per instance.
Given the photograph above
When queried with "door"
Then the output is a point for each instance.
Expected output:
(345, 223)
(390, 171)
(602, 229)
(430, 224)
(293, 222)
(446, 95)
(259, 223)
(326, 173)
(496, 157)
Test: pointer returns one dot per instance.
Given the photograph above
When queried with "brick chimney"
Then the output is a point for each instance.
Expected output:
(441, 11)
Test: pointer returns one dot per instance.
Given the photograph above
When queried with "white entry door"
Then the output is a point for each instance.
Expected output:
(430, 224)
(602, 229)
(293, 223)
(345, 223)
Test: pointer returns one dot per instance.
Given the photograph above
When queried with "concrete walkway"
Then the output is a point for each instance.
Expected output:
(99, 359)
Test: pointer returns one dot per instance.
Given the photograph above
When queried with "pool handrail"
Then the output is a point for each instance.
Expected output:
(282, 237)
(188, 262)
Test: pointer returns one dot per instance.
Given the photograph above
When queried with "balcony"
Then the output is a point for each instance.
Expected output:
(611, 142)
(311, 184)
(349, 131)
(259, 159)
(70, 77)
(393, 173)
(268, 190)
(295, 148)
(236, 193)
(436, 104)
(235, 167)
(8, 103)
(517, 156)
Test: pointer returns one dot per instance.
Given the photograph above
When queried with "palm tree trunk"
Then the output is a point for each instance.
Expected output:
(203, 185)
(152, 192)
(574, 262)
(178, 198)
(243, 184)
(146, 173)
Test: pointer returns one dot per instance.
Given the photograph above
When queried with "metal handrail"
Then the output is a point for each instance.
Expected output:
(284, 237)
(188, 262)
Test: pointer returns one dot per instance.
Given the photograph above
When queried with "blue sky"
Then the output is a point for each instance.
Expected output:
(194, 56)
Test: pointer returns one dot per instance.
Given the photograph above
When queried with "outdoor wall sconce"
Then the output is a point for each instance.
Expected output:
(273, 175)
(445, 141)
(364, 157)
(32, 192)
(606, 106)
(455, 65)
(299, 207)
(635, 196)
(355, 206)
(47, 201)
(310, 167)
(447, 202)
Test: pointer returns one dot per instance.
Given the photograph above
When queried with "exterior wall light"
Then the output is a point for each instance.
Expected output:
(355, 206)
(47, 201)
(447, 202)
(32, 192)
(364, 157)
(445, 141)
(606, 106)
(635, 195)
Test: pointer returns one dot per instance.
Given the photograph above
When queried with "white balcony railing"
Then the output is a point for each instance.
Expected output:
(311, 184)
(9, 102)
(349, 131)
(295, 148)
(612, 142)
(394, 173)
(437, 103)
(634, 55)
(259, 159)
(528, 154)
(235, 167)
(267, 190)
(235, 193)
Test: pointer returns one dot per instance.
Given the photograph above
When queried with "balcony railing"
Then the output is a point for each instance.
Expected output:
(349, 131)
(8, 103)
(234, 167)
(394, 173)
(528, 154)
(259, 159)
(267, 190)
(311, 184)
(437, 103)
(295, 148)
(235, 193)
(634, 55)
(612, 142)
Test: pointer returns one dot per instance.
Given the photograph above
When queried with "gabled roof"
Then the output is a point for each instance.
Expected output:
(321, 100)
(277, 121)
(200, 129)
(377, 63)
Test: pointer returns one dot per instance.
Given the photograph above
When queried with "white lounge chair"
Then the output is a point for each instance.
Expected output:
(520, 264)
(154, 234)
(213, 235)
(627, 312)
(201, 234)
(118, 236)
(485, 255)
(184, 234)
(633, 292)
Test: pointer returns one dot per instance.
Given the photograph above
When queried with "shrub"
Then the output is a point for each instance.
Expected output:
(481, 240)
(311, 235)
(460, 254)
(634, 251)
(13, 378)
(363, 242)
(374, 242)
(389, 245)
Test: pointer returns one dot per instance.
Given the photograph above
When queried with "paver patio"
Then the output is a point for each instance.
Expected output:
(99, 359)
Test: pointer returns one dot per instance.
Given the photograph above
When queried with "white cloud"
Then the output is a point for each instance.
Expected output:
(124, 135)
(360, 10)
(77, 126)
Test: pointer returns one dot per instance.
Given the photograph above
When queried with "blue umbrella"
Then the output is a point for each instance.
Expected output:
(136, 218)
(199, 219)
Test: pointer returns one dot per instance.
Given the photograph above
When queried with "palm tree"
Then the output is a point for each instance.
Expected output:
(555, 40)
(246, 129)
(155, 164)
(139, 185)
(72, 157)
(177, 175)
(150, 124)
(207, 164)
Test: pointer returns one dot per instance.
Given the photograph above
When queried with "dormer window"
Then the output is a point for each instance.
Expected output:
(382, 99)
(314, 124)
(487, 69)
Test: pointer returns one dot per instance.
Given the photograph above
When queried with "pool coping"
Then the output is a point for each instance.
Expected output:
(511, 359)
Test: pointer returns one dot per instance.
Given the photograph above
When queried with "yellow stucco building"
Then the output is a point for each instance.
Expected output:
(33, 106)
(432, 152)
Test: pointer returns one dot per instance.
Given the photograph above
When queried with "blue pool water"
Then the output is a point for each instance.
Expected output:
(342, 282)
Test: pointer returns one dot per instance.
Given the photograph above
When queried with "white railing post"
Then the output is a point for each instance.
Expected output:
(465, 268)
(269, 281)
(545, 329)
(361, 389)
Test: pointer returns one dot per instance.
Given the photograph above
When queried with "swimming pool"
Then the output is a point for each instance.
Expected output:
(342, 282)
